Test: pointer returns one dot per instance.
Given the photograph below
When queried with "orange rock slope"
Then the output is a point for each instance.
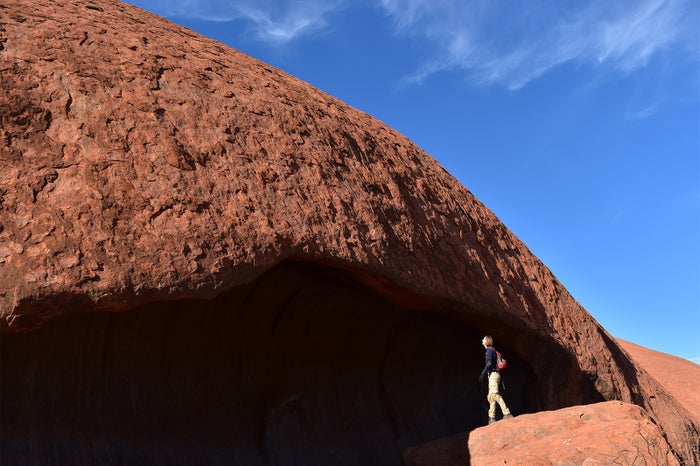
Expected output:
(302, 282)
(680, 377)
(603, 433)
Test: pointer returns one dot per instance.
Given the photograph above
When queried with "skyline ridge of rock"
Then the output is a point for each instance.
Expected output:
(148, 170)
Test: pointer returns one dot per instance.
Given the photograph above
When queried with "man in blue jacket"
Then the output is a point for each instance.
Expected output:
(494, 377)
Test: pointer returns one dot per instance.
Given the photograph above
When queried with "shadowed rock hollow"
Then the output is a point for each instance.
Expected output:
(302, 366)
(203, 258)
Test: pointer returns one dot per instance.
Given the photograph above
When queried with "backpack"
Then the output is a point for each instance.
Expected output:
(500, 361)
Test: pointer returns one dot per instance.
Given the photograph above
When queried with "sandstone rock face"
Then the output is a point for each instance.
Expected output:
(151, 180)
(449, 451)
(679, 377)
(604, 433)
(264, 374)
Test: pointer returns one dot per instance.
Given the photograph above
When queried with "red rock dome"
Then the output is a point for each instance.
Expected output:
(204, 258)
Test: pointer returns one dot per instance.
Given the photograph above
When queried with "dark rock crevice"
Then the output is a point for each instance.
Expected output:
(304, 366)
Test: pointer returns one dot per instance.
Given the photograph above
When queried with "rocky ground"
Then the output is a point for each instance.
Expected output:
(603, 433)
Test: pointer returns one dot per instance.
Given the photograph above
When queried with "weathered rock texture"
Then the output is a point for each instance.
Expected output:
(679, 377)
(149, 170)
(604, 433)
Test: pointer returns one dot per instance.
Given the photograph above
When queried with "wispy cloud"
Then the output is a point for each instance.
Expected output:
(642, 113)
(490, 41)
(284, 21)
(511, 44)
(271, 20)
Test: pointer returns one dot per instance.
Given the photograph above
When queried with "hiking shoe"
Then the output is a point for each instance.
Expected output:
(507, 416)
(492, 420)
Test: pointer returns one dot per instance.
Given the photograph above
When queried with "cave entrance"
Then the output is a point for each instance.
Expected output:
(303, 366)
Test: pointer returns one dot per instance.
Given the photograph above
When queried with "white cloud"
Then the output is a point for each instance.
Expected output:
(282, 21)
(642, 113)
(271, 20)
(513, 43)
(633, 38)
(491, 41)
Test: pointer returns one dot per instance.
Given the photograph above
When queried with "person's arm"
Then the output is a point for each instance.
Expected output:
(488, 364)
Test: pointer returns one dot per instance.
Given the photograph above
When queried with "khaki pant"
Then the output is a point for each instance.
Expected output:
(495, 397)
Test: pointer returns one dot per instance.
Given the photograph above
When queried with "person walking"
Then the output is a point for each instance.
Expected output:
(492, 374)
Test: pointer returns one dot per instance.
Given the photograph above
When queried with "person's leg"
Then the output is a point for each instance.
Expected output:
(504, 408)
(492, 409)
(495, 397)
(494, 381)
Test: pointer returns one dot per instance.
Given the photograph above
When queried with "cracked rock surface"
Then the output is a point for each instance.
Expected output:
(147, 171)
(611, 432)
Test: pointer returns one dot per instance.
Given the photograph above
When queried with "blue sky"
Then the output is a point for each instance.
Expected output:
(577, 122)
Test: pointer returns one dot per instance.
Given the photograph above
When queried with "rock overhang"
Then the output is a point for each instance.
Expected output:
(125, 170)
(142, 162)
(303, 359)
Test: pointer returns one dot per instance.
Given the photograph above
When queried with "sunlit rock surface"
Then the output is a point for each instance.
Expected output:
(203, 258)
(603, 433)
